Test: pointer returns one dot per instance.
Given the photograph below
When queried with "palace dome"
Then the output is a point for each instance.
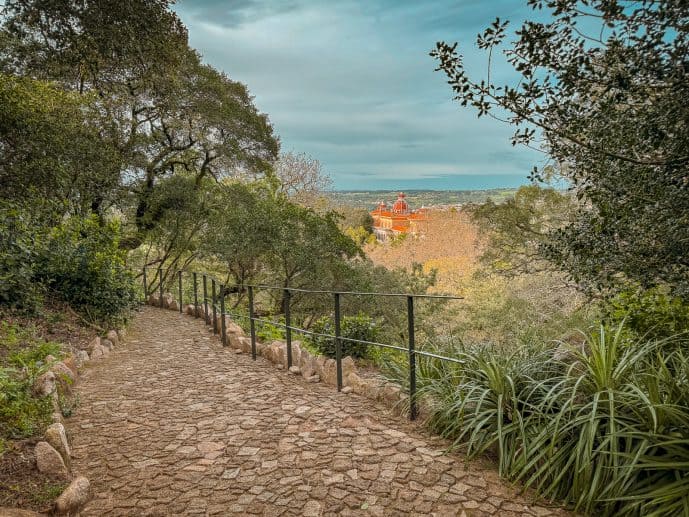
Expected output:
(400, 206)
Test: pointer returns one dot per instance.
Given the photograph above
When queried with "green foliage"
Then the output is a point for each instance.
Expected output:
(267, 333)
(146, 106)
(360, 327)
(518, 227)
(77, 260)
(605, 431)
(14, 340)
(308, 249)
(52, 149)
(652, 314)
(359, 234)
(599, 88)
(260, 236)
(83, 264)
(47, 493)
(516, 311)
(87, 45)
(26, 357)
(21, 414)
(241, 229)
(22, 360)
(19, 243)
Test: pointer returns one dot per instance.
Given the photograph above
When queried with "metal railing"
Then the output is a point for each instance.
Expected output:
(220, 291)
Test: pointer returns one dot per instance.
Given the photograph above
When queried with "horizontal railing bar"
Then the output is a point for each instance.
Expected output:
(351, 340)
(321, 291)
(353, 293)
(330, 336)
(374, 343)
(209, 301)
(218, 307)
(436, 356)
(366, 293)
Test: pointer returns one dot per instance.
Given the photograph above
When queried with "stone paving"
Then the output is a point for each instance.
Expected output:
(173, 424)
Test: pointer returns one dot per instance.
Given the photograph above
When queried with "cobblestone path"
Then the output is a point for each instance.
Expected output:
(173, 424)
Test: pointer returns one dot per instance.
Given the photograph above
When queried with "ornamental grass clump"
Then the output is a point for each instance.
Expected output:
(604, 429)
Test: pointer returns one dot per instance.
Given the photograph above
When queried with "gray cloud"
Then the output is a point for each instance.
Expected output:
(233, 13)
(351, 83)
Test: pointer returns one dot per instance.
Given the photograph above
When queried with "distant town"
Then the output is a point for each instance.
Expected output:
(436, 199)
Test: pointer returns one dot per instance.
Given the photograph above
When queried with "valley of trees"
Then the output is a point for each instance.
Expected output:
(120, 149)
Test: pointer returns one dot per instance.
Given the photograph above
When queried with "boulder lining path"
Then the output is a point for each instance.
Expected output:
(172, 423)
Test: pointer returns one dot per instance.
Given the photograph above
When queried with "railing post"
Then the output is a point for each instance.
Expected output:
(338, 343)
(412, 359)
(205, 299)
(252, 324)
(214, 301)
(179, 274)
(288, 330)
(196, 296)
(160, 286)
(145, 287)
(223, 330)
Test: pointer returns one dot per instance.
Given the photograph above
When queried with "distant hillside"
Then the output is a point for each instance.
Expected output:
(418, 198)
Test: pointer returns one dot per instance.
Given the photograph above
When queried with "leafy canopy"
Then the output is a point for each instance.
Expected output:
(602, 89)
(158, 106)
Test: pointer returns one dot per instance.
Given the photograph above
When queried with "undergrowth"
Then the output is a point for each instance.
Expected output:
(604, 427)
(22, 360)
(601, 425)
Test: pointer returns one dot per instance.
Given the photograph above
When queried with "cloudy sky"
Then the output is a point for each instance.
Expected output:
(350, 83)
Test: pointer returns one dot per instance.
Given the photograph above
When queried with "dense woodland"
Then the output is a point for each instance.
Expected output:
(122, 150)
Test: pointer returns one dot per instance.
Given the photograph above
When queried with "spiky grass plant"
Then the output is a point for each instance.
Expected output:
(605, 431)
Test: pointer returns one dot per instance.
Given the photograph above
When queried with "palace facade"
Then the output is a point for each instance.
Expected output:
(398, 220)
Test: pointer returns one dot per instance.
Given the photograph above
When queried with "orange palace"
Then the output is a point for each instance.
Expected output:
(389, 223)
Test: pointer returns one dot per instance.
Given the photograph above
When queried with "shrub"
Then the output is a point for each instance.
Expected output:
(606, 433)
(77, 260)
(21, 347)
(84, 266)
(21, 414)
(22, 360)
(19, 244)
(653, 313)
(359, 327)
(266, 333)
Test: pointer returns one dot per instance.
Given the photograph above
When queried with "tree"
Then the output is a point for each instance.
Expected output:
(207, 127)
(51, 151)
(241, 230)
(302, 178)
(517, 229)
(101, 45)
(164, 111)
(311, 251)
(602, 88)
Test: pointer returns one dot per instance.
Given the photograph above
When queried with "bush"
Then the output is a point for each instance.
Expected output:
(359, 327)
(21, 414)
(22, 360)
(77, 260)
(606, 432)
(653, 313)
(267, 333)
(19, 244)
(84, 266)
